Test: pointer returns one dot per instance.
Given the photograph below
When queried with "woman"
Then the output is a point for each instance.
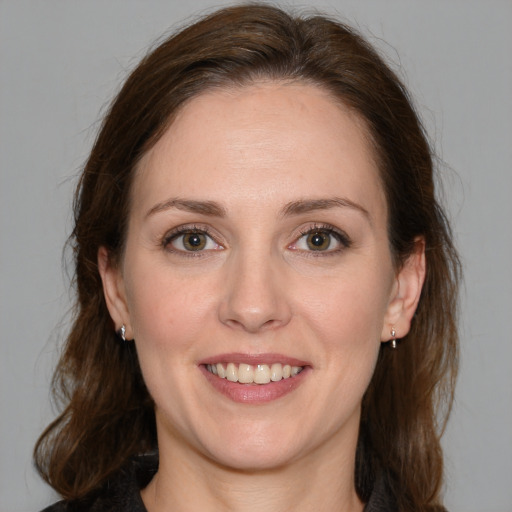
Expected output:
(266, 283)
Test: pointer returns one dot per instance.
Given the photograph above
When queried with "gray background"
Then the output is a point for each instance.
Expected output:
(60, 61)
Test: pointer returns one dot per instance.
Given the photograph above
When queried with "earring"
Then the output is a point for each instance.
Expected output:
(121, 332)
(393, 336)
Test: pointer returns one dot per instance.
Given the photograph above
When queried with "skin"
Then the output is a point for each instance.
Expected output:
(258, 287)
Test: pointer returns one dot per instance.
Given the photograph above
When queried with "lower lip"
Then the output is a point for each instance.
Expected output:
(255, 393)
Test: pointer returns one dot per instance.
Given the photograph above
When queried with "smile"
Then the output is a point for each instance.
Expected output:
(253, 373)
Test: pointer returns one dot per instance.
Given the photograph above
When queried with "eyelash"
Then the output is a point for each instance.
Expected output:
(187, 230)
(326, 229)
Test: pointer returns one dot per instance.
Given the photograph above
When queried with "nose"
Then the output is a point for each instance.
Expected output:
(255, 295)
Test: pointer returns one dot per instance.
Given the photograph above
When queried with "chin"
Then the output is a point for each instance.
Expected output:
(254, 449)
(253, 458)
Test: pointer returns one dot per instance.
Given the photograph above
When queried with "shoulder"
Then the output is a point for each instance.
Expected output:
(56, 507)
(121, 493)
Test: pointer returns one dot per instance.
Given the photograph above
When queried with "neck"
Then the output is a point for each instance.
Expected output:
(188, 481)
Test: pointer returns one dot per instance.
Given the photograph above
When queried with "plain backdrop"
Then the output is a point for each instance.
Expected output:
(62, 60)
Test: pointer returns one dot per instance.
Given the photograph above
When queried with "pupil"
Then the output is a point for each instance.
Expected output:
(194, 240)
(318, 239)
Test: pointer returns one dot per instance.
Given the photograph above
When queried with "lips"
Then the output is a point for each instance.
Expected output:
(254, 378)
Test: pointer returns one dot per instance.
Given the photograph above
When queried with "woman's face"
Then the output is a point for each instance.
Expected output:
(257, 247)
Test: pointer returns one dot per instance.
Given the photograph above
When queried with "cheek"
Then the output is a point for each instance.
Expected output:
(348, 318)
(345, 322)
(166, 312)
(349, 308)
(167, 319)
(155, 291)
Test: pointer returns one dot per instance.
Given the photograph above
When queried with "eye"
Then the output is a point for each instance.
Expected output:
(190, 240)
(321, 239)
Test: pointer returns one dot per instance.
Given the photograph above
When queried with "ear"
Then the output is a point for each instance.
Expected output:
(113, 289)
(406, 293)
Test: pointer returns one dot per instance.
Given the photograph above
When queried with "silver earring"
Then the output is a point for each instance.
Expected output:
(122, 332)
(393, 340)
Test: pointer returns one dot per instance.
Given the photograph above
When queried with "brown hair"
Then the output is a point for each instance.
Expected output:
(108, 415)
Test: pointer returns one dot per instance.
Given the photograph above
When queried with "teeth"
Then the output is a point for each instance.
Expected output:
(254, 374)
(221, 371)
(245, 374)
(262, 374)
(276, 372)
(295, 370)
(232, 372)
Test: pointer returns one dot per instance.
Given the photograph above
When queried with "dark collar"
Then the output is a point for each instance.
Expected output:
(122, 492)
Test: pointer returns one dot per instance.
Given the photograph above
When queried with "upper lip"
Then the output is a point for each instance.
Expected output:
(253, 359)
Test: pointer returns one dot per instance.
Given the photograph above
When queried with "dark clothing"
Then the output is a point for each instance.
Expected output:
(122, 492)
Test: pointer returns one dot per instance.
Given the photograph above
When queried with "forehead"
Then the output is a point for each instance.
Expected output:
(265, 139)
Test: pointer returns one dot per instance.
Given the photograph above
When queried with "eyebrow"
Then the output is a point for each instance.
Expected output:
(214, 209)
(310, 205)
(210, 208)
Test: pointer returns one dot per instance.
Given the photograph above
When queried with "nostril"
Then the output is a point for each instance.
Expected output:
(253, 325)
(255, 321)
(253, 300)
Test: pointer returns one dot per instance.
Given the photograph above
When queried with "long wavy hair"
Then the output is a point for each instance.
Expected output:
(107, 414)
